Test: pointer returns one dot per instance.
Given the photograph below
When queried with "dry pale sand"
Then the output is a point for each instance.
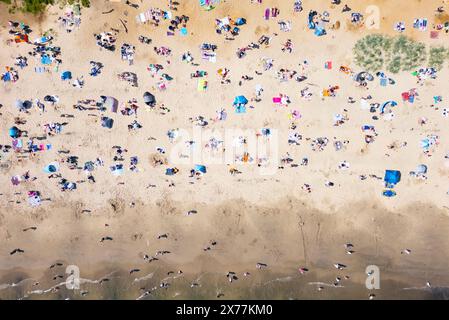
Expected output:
(254, 218)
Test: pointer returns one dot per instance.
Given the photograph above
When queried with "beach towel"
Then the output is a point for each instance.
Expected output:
(420, 24)
(46, 60)
(277, 100)
(267, 14)
(202, 85)
(240, 109)
(434, 34)
(209, 56)
(17, 144)
(389, 193)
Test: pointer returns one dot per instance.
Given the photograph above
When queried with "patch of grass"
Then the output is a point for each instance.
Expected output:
(372, 51)
(437, 56)
(378, 52)
(85, 3)
(36, 6)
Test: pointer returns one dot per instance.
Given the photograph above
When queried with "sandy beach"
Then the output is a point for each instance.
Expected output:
(182, 232)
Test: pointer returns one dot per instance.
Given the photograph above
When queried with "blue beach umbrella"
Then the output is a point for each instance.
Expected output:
(200, 168)
(14, 132)
(240, 100)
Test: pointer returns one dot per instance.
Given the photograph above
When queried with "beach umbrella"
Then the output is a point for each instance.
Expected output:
(312, 14)
(240, 21)
(14, 132)
(15, 180)
(66, 75)
(19, 104)
(240, 100)
(149, 99)
(27, 104)
(89, 166)
(421, 169)
(386, 104)
(364, 76)
(51, 168)
(200, 168)
(23, 105)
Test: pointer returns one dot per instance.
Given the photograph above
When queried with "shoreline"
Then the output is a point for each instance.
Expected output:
(281, 248)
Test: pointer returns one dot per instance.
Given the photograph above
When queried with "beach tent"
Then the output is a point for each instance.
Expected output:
(89, 166)
(387, 104)
(200, 168)
(51, 168)
(312, 14)
(149, 99)
(240, 21)
(66, 75)
(107, 122)
(240, 100)
(111, 103)
(391, 178)
(14, 132)
(363, 76)
(421, 169)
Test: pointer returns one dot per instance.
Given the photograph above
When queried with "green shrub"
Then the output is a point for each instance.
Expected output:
(437, 56)
(371, 52)
(36, 6)
(377, 52)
